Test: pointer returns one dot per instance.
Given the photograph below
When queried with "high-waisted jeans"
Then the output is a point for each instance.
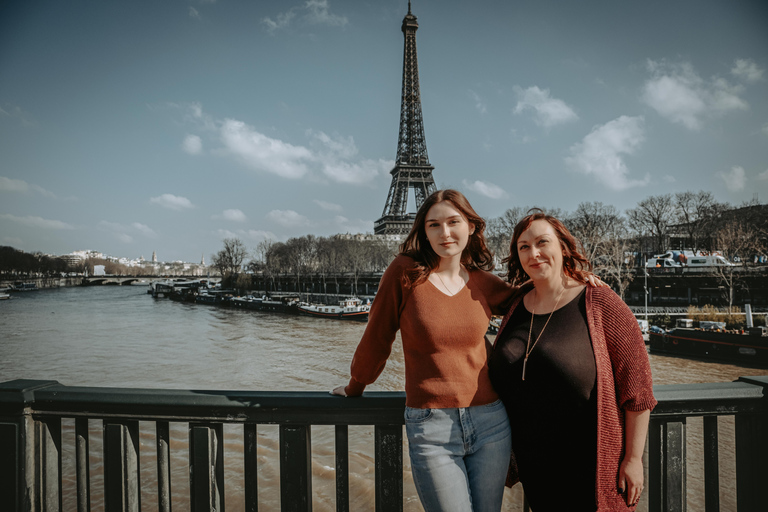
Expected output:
(459, 457)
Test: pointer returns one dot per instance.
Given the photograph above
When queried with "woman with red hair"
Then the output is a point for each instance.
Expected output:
(570, 365)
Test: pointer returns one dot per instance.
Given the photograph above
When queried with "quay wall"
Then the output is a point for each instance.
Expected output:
(44, 282)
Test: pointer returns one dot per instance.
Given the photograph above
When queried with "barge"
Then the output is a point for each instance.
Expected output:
(749, 348)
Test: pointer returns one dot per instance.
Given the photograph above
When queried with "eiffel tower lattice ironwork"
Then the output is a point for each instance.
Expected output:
(412, 168)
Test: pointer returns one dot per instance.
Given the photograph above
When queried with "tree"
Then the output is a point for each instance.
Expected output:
(697, 213)
(595, 224)
(229, 260)
(652, 218)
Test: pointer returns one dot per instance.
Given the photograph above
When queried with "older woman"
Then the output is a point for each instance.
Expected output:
(570, 365)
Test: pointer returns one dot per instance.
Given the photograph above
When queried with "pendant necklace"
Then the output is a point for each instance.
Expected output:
(528, 346)
(443, 282)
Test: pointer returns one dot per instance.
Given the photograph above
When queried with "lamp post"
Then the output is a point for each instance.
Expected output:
(645, 286)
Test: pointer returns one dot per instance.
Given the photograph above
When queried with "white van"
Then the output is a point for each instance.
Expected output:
(643, 325)
(708, 261)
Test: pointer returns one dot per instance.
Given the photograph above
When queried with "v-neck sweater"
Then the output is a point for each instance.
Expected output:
(443, 336)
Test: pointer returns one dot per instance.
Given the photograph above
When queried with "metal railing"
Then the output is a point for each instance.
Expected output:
(31, 414)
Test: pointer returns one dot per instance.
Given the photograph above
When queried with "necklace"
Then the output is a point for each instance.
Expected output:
(528, 346)
(443, 282)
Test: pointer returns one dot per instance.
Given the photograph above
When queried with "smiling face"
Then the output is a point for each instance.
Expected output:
(540, 252)
(447, 230)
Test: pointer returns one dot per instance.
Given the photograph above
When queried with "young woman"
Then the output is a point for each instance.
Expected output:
(440, 295)
(570, 365)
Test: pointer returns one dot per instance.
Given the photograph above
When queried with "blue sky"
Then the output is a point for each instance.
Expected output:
(136, 126)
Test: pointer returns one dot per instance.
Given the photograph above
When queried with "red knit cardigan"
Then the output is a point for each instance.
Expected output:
(623, 383)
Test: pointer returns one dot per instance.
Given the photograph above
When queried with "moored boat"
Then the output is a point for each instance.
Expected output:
(748, 347)
(347, 309)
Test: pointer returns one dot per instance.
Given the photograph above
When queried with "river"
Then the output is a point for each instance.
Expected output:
(121, 337)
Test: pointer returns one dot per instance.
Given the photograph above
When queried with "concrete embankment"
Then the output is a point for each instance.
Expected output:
(44, 282)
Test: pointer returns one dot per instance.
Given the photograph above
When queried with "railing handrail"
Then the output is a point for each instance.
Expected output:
(269, 407)
(273, 407)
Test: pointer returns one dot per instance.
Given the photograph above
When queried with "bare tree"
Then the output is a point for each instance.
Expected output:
(652, 218)
(229, 260)
(696, 211)
(595, 224)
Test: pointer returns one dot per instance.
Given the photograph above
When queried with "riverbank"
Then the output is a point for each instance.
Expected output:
(43, 282)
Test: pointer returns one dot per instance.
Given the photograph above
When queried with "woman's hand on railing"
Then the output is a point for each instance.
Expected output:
(341, 391)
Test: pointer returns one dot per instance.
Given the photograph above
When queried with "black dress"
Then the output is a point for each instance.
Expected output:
(553, 412)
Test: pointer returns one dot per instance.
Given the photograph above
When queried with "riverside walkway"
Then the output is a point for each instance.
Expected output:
(31, 413)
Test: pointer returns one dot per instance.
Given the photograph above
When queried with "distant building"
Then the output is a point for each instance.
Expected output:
(154, 257)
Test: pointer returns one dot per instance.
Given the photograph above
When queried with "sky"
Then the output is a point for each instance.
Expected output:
(134, 126)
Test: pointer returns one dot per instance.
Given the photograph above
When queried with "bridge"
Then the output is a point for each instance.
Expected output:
(121, 280)
(35, 451)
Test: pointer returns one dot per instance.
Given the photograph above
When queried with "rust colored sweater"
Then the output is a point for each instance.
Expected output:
(623, 384)
(446, 358)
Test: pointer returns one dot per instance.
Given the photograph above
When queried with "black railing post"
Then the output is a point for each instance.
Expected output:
(82, 463)
(20, 474)
(121, 466)
(666, 449)
(10, 441)
(295, 468)
(163, 441)
(342, 468)
(206, 471)
(389, 467)
(752, 453)
(711, 465)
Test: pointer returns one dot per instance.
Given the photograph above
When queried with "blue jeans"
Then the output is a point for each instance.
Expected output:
(459, 457)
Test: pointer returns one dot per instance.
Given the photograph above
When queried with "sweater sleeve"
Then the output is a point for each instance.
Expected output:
(383, 323)
(629, 358)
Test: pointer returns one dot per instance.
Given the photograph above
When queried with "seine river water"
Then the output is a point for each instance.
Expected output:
(121, 337)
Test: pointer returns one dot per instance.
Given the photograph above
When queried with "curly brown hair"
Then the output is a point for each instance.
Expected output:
(476, 254)
(575, 264)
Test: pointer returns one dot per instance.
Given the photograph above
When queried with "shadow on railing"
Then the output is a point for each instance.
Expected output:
(31, 414)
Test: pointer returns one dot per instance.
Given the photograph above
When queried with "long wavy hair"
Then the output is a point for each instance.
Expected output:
(476, 254)
(575, 264)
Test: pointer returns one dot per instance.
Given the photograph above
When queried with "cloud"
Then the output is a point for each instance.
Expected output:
(259, 235)
(310, 12)
(601, 153)
(747, 70)
(172, 202)
(125, 232)
(548, 111)
(763, 175)
(668, 179)
(263, 153)
(479, 103)
(37, 222)
(486, 189)
(194, 13)
(735, 179)
(288, 218)
(344, 225)
(331, 207)
(192, 144)
(233, 215)
(15, 112)
(12, 185)
(680, 95)
(765, 128)
(333, 155)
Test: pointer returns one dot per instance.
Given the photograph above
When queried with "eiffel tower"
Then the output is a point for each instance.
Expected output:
(412, 169)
